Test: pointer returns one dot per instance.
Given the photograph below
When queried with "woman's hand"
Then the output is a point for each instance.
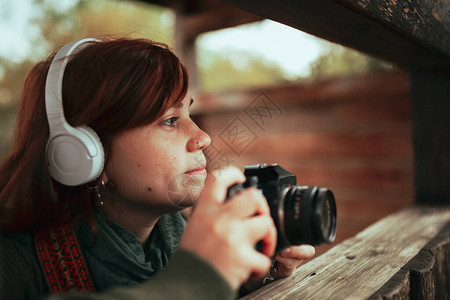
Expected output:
(225, 233)
(287, 261)
(291, 258)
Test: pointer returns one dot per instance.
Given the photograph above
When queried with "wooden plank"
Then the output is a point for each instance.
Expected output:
(369, 26)
(358, 267)
(431, 107)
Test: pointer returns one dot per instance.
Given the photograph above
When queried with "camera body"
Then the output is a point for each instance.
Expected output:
(302, 214)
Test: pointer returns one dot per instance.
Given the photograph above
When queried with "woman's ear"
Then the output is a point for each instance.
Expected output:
(104, 177)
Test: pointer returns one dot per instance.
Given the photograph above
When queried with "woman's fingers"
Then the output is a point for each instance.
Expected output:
(262, 229)
(286, 266)
(217, 183)
(298, 252)
(251, 205)
(248, 203)
(291, 258)
(259, 263)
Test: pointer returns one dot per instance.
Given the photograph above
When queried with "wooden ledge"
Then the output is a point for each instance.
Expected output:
(406, 254)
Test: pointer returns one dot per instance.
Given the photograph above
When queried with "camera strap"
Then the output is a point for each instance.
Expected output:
(62, 261)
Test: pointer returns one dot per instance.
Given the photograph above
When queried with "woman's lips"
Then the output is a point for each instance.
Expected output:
(197, 171)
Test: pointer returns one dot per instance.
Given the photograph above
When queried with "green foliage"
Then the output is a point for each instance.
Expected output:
(56, 26)
(235, 70)
(125, 18)
(338, 61)
(10, 85)
(238, 69)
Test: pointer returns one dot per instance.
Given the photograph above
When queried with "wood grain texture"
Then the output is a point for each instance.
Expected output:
(360, 266)
(428, 22)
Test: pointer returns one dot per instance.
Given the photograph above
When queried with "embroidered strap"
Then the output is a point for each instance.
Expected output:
(62, 261)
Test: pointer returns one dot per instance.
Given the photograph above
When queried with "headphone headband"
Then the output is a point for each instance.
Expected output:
(53, 87)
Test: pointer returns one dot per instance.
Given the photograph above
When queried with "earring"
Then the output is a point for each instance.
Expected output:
(98, 197)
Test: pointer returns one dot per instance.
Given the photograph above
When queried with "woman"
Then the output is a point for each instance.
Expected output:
(124, 217)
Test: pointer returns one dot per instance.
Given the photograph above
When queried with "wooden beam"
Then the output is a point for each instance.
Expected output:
(412, 35)
(200, 16)
(361, 267)
(219, 18)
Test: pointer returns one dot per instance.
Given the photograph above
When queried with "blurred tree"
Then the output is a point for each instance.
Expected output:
(103, 17)
(338, 60)
(235, 70)
(10, 85)
(56, 25)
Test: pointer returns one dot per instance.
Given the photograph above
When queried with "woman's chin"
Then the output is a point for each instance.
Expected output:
(184, 190)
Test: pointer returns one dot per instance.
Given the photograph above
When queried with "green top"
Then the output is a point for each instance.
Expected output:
(117, 259)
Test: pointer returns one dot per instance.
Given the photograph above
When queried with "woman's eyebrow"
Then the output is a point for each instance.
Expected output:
(181, 104)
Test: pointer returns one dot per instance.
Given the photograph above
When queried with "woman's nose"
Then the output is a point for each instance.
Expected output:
(204, 141)
(199, 141)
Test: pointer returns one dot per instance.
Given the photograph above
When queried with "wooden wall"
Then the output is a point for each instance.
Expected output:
(352, 135)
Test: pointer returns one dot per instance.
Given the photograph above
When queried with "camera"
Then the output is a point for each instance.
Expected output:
(302, 214)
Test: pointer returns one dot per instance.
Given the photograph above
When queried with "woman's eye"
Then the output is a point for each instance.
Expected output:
(170, 121)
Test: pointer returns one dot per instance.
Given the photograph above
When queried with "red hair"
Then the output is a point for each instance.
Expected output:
(111, 86)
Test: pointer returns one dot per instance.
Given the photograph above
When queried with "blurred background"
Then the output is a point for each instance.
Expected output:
(265, 92)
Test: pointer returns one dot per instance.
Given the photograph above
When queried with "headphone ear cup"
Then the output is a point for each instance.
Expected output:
(75, 157)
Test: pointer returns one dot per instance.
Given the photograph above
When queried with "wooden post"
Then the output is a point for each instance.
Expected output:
(397, 287)
(439, 247)
(431, 116)
(185, 45)
(196, 17)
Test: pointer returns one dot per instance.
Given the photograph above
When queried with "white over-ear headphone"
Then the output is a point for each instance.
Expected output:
(74, 154)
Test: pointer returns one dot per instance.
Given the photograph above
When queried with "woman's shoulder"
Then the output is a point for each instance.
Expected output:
(22, 240)
(17, 247)
(20, 274)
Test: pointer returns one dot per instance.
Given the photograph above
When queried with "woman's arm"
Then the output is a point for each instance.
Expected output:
(187, 276)
(20, 274)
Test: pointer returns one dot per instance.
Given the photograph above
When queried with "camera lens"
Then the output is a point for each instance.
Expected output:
(309, 215)
(326, 215)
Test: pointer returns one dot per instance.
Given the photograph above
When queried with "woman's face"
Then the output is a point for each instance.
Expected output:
(160, 165)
